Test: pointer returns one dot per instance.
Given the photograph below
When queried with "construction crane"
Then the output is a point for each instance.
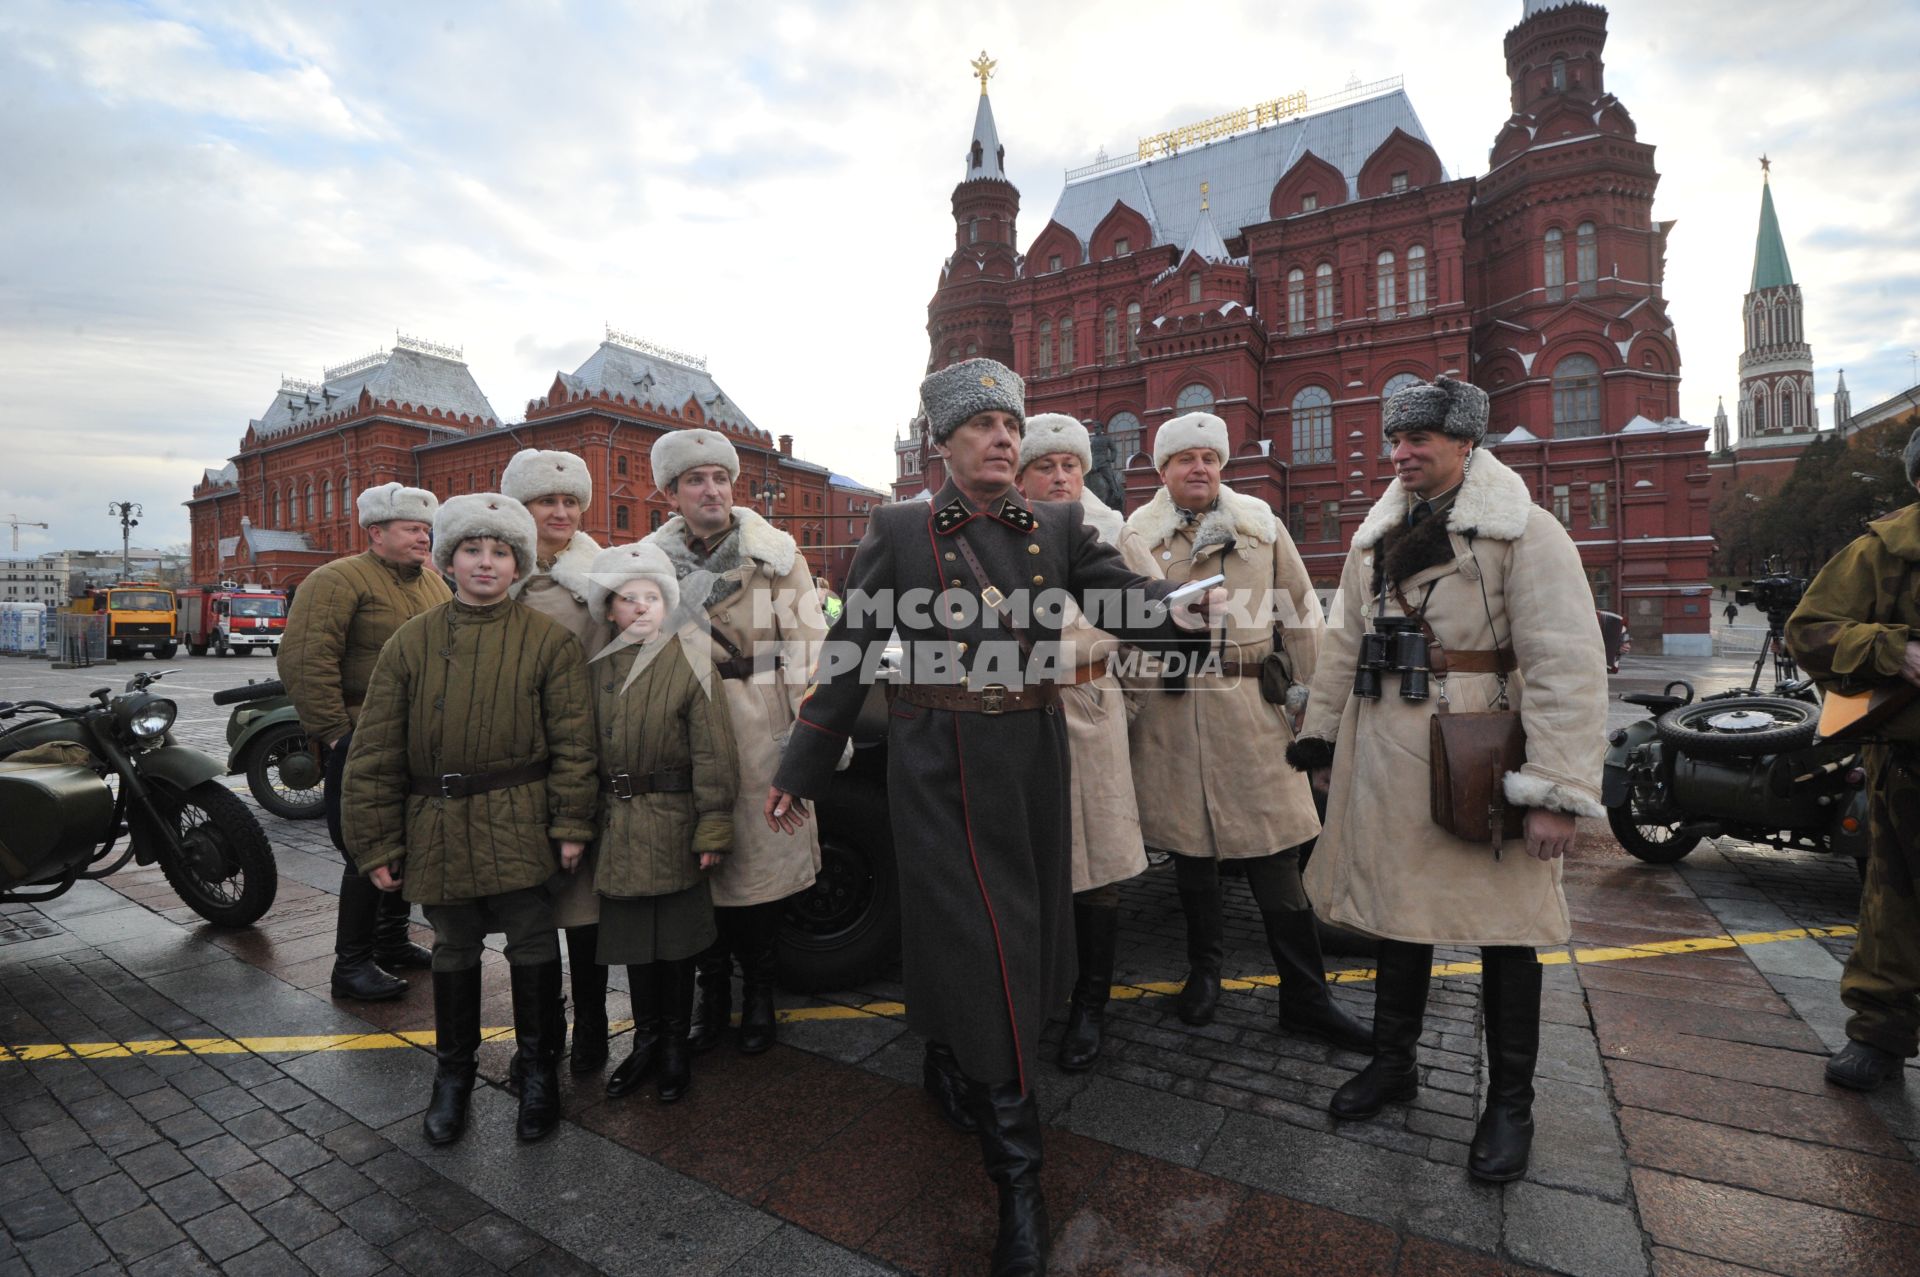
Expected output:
(19, 523)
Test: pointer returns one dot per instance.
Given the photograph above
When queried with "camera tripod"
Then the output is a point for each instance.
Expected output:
(1785, 669)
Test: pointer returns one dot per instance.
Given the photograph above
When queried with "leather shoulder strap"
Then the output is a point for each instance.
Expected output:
(990, 595)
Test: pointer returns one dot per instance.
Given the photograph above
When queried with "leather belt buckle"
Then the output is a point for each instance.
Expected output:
(993, 697)
(453, 785)
(620, 785)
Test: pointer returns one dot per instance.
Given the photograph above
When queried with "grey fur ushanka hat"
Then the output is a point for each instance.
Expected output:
(392, 501)
(955, 393)
(1050, 432)
(534, 473)
(483, 514)
(678, 451)
(1450, 407)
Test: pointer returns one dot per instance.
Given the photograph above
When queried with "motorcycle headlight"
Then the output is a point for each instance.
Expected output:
(146, 718)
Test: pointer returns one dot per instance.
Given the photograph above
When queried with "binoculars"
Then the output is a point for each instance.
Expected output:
(1396, 646)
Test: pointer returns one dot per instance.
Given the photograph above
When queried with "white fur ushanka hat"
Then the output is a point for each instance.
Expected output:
(533, 474)
(392, 501)
(1195, 430)
(483, 514)
(1051, 432)
(613, 568)
(678, 451)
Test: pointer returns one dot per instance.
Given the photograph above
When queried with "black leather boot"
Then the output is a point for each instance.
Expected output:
(1205, 948)
(1095, 929)
(756, 940)
(456, 1039)
(355, 974)
(1399, 1011)
(589, 981)
(632, 1073)
(1010, 1144)
(393, 946)
(1306, 1008)
(539, 1024)
(674, 980)
(948, 1087)
(1862, 1066)
(1510, 998)
(712, 993)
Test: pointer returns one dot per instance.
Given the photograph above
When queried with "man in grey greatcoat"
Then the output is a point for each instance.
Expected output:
(977, 759)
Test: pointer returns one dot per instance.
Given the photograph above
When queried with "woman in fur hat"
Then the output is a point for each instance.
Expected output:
(1055, 455)
(1457, 541)
(669, 776)
(557, 489)
(1207, 744)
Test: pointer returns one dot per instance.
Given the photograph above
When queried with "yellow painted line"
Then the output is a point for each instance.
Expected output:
(302, 1044)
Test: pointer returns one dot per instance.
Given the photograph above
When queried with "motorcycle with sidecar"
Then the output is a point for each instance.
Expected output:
(267, 745)
(77, 779)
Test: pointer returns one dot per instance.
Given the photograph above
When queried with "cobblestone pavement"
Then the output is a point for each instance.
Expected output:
(1684, 1127)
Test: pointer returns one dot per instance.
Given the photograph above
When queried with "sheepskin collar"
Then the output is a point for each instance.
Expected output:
(1235, 517)
(1106, 522)
(570, 568)
(1493, 503)
(751, 540)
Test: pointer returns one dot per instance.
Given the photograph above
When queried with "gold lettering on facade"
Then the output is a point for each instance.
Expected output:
(1258, 115)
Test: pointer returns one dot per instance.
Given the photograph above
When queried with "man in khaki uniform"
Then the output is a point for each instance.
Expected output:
(1208, 746)
(342, 616)
(762, 618)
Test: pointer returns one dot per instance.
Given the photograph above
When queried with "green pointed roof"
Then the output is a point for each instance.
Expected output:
(1770, 269)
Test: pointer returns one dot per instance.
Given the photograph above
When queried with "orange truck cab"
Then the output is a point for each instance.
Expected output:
(225, 620)
(139, 617)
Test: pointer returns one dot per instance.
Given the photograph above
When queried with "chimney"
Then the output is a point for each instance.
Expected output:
(786, 445)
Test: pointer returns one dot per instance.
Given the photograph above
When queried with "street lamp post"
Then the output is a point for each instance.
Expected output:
(770, 492)
(128, 512)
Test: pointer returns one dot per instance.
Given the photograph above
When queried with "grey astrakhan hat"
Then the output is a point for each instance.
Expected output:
(483, 514)
(954, 394)
(1450, 407)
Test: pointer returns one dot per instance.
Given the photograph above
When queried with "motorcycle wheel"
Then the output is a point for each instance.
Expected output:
(1649, 841)
(845, 930)
(228, 875)
(270, 789)
(1739, 727)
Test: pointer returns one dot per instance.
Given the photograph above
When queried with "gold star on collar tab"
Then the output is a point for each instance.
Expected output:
(951, 516)
(1014, 516)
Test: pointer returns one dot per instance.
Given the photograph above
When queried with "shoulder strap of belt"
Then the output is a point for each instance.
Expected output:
(991, 595)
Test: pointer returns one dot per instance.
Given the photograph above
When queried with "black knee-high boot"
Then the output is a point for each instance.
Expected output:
(589, 980)
(1305, 1005)
(1399, 1011)
(949, 1088)
(539, 1024)
(1510, 999)
(355, 974)
(456, 1042)
(712, 990)
(674, 981)
(1096, 928)
(631, 1073)
(756, 940)
(1200, 901)
(1010, 1144)
(393, 946)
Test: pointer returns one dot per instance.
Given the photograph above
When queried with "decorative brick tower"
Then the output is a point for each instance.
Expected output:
(1776, 365)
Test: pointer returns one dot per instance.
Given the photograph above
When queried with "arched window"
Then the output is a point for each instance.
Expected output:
(621, 518)
(1556, 264)
(1193, 288)
(1066, 343)
(1786, 408)
(1110, 333)
(1123, 432)
(326, 498)
(1559, 75)
(278, 512)
(620, 466)
(1395, 384)
(1759, 412)
(1586, 257)
(1417, 280)
(1323, 296)
(1296, 300)
(1383, 293)
(1193, 398)
(1045, 361)
(309, 509)
(953, 353)
(1133, 330)
(972, 350)
(1576, 397)
(973, 230)
(1312, 426)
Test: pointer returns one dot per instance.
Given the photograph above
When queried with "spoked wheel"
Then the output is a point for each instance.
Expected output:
(227, 875)
(1646, 838)
(1740, 727)
(284, 775)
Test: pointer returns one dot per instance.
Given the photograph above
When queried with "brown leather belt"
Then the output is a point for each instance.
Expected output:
(991, 699)
(748, 666)
(1497, 660)
(668, 780)
(1083, 673)
(456, 785)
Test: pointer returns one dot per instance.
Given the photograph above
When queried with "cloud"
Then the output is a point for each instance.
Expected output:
(202, 196)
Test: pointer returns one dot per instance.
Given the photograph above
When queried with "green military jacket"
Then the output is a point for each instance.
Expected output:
(1851, 630)
(667, 718)
(472, 690)
(342, 616)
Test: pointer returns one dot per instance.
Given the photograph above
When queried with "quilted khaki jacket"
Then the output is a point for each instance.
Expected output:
(342, 616)
(666, 718)
(472, 690)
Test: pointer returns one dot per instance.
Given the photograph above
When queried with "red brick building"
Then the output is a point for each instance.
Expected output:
(1289, 266)
(850, 504)
(285, 504)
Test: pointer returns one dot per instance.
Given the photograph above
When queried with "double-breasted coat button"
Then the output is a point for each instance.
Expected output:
(1039, 580)
(963, 649)
(949, 556)
(955, 582)
(1033, 549)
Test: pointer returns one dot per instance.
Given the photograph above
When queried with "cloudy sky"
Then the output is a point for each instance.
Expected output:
(198, 198)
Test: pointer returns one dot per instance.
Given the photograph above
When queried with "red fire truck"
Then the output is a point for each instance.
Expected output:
(226, 619)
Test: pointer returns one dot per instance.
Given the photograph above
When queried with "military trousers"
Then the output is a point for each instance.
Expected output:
(460, 930)
(1881, 984)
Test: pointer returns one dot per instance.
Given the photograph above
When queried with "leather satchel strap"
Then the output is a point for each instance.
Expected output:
(990, 595)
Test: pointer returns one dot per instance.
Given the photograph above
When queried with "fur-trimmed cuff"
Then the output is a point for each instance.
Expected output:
(1309, 753)
(1536, 791)
(1296, 701)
